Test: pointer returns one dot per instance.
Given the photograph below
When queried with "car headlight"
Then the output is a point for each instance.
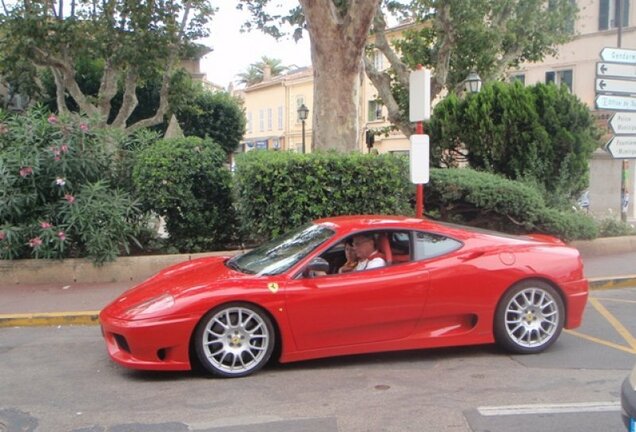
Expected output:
(149, 307)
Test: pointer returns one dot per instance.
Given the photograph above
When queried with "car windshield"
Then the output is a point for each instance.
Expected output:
(279, 255)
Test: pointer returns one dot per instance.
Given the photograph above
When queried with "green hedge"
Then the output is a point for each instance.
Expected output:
(276, 191)
(186, 181)
(491, 201)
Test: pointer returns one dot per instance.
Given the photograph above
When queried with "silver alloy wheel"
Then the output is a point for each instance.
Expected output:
(532, 317)
(236, 340)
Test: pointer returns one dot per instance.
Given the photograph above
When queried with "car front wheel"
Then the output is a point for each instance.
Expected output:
(234, 340)
(529, 317)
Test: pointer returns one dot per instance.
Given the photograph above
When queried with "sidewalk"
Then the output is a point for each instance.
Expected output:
(58, 303)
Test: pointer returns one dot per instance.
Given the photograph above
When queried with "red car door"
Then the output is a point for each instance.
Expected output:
(358, 307)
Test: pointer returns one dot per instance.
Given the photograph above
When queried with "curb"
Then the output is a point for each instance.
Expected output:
(91, 318)
(49, 319)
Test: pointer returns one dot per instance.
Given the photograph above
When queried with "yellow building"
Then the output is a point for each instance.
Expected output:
(271, 109)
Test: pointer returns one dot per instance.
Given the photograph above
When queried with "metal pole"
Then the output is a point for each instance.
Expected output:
(303, 122)
(419, 188)
(625, 164)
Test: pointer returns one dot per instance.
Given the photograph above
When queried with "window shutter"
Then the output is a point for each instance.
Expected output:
(625, 13)
(603, 15)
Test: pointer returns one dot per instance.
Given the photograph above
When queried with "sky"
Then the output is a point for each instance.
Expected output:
(234, 51)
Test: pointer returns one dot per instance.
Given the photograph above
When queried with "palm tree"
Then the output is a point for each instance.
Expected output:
(255, 72)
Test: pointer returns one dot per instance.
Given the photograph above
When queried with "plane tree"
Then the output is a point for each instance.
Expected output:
(134, 39)
(455, 37)
(338, 31)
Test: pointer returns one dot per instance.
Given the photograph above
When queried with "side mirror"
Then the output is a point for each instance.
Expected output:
(317, 265)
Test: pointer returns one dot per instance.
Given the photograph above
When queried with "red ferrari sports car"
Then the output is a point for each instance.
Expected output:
(437, 285)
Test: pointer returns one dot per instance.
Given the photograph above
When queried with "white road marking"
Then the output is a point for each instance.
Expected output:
(549, 408)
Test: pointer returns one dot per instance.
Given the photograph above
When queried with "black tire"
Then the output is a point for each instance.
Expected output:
(529, 317)
(234, 340)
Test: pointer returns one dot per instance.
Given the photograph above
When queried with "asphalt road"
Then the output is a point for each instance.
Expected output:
(60, 379)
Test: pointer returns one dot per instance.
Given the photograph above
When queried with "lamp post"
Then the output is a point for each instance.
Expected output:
(472, 83)
(303, 111)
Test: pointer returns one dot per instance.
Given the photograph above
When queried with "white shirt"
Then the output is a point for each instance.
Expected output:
(368, 264)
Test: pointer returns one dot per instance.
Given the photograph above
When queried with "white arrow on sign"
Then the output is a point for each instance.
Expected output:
(619, 55)
(615, 86)
(605, 69)
(623, 123)
(622, 147)
(616, 103)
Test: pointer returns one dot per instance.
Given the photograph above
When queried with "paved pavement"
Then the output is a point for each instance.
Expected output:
(78, 303)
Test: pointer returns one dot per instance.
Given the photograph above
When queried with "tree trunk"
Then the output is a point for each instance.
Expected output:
(338, 37)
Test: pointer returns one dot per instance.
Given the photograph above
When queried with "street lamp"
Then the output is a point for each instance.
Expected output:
(472, 83)
(303, 111)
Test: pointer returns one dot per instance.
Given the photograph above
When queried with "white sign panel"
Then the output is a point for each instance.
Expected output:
(622, 147)
(615, 86)
(619, 55)
(617, 103)
(420, 95)
(419, 159)
(615, 70)
(623, 123)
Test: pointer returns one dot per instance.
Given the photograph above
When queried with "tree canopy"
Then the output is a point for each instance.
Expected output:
(455, 37)
(134, 39)
(255, 73)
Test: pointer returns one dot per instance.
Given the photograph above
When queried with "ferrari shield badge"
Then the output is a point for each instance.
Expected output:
(273, 287)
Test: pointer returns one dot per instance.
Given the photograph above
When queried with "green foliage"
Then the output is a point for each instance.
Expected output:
(278, 190)
(54, 195)
(216, 115)
(613, 227)
(128, 41)
(255, 72)
(490, 201)
(186, 181)
(540, 134)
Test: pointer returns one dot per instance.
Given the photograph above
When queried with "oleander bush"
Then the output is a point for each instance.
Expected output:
(186, 181)
(57, 189)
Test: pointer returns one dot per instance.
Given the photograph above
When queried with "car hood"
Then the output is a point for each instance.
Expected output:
(186, 278)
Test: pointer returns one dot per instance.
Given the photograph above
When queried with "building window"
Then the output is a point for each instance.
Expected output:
(609, 16)
(280, 118)
(261, 120)
(249, 122)
(378, 60)
(269, 119)
(560, 77)
(519, 77)
(375, 111)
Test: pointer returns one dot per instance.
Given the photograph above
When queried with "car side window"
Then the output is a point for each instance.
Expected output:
(429, 245)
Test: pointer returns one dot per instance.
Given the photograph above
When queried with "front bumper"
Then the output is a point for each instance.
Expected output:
(628, 404)
(149, 344)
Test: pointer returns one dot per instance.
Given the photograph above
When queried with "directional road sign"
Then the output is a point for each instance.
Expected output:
(618, 55)
(616, 103)
(622, 147)
(618, 70)
(615, 86)
(623, 123)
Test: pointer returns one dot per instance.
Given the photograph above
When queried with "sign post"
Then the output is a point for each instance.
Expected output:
(419, 111)
(615, 87)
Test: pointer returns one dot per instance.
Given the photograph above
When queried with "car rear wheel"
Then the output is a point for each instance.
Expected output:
(234, 340)
(529, 317)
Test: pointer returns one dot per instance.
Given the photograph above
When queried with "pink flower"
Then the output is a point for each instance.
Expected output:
(61, 235)
(45, 225)
(3, 128)
(2, 235)
(64, 148)
(83, 127)
(25, 171)
(52, 119)
(70, 198)
(35, 242)
(60, 181)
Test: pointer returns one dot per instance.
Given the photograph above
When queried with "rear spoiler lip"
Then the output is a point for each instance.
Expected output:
(545, 238)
